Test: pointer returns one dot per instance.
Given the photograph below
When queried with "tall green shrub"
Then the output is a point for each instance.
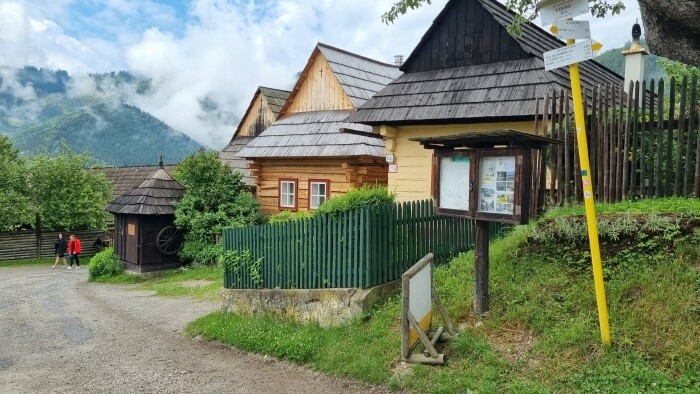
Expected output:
(356, 198)
(15, 201)
(215, 198)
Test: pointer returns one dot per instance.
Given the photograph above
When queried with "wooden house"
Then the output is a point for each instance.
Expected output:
(304, 157)
(466, 74)
(145, 238)
(262, 111)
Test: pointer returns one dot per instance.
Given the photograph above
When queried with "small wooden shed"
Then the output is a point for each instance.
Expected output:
(145, 238)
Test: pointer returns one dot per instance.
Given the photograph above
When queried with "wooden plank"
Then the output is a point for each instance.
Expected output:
(650, 138)
(553, 176)
(658, 191)
(619, 131)
(560, 149)
(635, 139)
(691, 128)
(669, 138)
(568, 146)
(678, 181)
(626, 143)
(606, 145)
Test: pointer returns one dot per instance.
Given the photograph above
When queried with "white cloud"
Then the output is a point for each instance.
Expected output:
(221, 53)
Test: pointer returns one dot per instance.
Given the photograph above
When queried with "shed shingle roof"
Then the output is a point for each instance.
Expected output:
(480, 92)
(156, 195)
(313, 134)
(125, 178)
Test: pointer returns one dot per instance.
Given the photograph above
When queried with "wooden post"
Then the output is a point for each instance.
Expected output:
(37, 224)
(481, 268)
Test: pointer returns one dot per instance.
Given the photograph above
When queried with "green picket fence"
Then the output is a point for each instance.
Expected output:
(359, 249)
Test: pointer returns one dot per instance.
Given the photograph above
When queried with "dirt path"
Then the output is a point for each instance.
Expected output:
(59, 333)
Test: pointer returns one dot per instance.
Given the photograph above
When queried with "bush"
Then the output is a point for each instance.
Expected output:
(288, 216)
(105, 264)
(201, 253)
(356, 198)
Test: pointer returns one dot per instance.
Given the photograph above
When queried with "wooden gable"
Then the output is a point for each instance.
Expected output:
(317, 89)
(464, 34)
(257, 118)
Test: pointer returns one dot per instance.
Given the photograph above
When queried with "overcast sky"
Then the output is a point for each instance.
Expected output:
(216, 49)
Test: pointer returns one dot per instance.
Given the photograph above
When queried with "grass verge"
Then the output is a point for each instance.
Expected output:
(201, 283)
(542, 332)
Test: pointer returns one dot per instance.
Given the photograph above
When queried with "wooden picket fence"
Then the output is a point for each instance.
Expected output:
(642, 144)
(357, 249)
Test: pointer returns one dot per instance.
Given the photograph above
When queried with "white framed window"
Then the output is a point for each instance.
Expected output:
(288, 193)
(318, 192)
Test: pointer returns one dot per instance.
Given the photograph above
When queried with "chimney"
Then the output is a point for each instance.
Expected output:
(634, 59)
(398, 60)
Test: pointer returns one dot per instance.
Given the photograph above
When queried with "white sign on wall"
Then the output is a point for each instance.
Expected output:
(551, 11)
(393, 168)
(570, 54)
(570, 29)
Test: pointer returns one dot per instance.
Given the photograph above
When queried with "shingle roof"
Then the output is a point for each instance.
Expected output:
(313, 134)
(154, 196)
(124, 179)
(275, 98)
(479, 92)
(229, 155)
(360, 77)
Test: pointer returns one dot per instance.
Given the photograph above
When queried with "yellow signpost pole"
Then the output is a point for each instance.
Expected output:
(589, 201)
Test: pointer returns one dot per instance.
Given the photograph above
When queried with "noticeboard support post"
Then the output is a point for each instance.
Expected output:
(481, 268)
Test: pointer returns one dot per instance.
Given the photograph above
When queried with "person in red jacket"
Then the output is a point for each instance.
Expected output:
(74, 251)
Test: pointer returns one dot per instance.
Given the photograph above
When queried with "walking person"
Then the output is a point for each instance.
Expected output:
(74, 251)
(60, 248)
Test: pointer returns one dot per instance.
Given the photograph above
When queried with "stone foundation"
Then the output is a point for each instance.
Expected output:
(327, 307)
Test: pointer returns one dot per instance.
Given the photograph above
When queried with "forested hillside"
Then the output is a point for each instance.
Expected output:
(614, 60)
(43, 110)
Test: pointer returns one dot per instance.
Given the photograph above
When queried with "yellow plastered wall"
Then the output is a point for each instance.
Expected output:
(413, 179)
(248, 125)
(320, 90)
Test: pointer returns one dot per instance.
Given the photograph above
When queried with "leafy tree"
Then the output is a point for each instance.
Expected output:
(15, 203)
(215, 198)
(670, 26)
(66, 194)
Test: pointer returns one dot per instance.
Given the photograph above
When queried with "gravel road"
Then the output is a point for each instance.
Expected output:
(59, 334)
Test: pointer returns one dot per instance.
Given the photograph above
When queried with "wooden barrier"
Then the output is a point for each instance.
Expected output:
(20, 245)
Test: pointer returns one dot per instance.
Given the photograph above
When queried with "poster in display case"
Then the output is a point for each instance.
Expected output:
(453, 194)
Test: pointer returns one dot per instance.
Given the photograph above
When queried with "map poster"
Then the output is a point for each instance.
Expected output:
(497, 185)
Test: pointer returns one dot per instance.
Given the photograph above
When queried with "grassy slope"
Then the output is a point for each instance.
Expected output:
(542, 332)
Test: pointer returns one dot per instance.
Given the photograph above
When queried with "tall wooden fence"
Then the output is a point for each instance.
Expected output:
(642, 144)
(358, 249)
(19, 245)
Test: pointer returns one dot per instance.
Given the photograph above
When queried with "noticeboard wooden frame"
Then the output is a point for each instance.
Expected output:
(518, 186)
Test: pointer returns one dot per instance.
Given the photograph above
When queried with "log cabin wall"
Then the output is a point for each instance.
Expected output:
(342, 174)
(320, 90)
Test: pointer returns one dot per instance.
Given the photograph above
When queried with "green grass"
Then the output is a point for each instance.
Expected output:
(181, 282)
(676, 205)
(26, 262)
(542, 332)
(33, 262)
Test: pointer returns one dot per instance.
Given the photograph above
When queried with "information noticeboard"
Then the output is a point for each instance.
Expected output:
(483, 184)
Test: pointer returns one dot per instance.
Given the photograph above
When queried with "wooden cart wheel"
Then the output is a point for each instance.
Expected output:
(169, 240)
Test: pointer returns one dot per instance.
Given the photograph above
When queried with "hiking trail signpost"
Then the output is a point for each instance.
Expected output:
(559, 13)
